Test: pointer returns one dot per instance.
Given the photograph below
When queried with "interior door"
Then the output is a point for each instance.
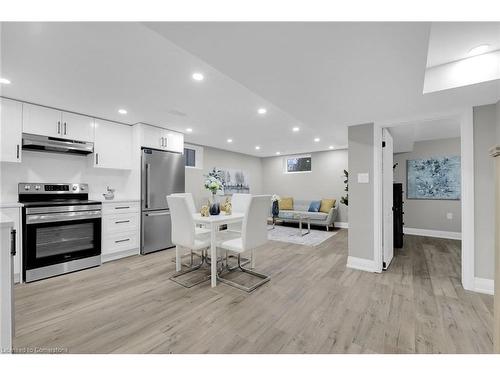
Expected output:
(163, 173)
(387, 198)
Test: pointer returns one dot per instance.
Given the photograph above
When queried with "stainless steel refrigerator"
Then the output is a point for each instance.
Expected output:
(162, 174)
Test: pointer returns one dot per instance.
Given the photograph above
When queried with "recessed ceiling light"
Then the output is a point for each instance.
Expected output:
(4, 81)
(257, 147)
(479, 50)
(278, 153)
(331, 147)
(262, 111)
(229, 140)
(122, 111)
(198, 76)
(189, 130)
(295, 129)
(316, 139)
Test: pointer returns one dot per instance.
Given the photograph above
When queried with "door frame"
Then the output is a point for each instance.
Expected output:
(465, 117)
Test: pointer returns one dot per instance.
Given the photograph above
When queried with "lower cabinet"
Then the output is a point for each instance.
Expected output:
(14, 214)
(120, 229)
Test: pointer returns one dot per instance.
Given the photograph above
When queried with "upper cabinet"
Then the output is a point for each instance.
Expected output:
(112, 145)
(161, 139)
(11, 128)
(54, 123)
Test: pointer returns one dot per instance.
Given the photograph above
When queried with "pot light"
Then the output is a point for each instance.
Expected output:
(198, 76)
(278, 153)
(257, 147)
(229, 140)
(331, 147)
(295, 129)
(4, 81)
(262, 111)
(122, 111)
(316, 139)
(479, 50)
(189, 130)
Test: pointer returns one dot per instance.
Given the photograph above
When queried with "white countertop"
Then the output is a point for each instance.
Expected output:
(5, 221)
(11, 205)
(117, 200)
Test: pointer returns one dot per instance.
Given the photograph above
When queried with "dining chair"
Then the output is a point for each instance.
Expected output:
(192, 208)
(253, 234)
(184, 236)
(239, 203)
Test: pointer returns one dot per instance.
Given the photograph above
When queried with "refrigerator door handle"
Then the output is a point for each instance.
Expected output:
(148, 183)
(158, 213)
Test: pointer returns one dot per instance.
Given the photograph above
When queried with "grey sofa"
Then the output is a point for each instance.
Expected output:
(317, 218)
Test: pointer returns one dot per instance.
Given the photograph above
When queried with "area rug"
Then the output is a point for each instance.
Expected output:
(292, 235)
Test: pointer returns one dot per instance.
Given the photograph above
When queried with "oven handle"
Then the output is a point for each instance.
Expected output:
(62, 216)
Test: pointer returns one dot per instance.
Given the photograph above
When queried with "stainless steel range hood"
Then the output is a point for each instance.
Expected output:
(50, 144)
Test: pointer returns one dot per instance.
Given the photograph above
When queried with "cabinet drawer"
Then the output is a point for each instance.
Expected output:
(120, 223)
(120, 242)
(120, 208)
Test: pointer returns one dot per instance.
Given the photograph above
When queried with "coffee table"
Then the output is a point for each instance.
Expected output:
(301, 218)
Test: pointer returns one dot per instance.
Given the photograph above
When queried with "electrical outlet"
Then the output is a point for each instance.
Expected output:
(449, 216)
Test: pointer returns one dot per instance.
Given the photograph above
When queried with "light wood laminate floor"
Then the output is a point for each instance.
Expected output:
(313, 304)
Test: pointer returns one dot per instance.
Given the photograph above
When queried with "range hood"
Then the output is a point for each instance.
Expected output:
(50, 144)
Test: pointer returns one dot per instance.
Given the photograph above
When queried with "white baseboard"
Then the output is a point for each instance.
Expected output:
(361, 264)
(121, 254)
(486, 286)
(433, 233)
(341, 224)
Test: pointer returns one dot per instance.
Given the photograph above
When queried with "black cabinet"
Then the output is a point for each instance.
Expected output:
(398, 215)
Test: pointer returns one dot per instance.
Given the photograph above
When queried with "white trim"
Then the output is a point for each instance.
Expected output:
(486, 286)
(377, 198)
(341, 224)
(433, 233)
(362, 264)
(118, 255)
(467, 172)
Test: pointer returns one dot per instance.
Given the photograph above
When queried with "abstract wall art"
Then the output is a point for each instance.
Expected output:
(434, 178)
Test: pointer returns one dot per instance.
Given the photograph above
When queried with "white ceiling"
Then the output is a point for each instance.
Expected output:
(321, 77)
(452, 41)
(405, 135)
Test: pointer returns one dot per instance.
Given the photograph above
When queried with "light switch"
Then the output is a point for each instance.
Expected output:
(363, 178)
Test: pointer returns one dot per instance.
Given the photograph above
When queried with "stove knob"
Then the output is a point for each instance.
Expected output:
(27, 187)
(75, 187)
(37, 187)
(82, 187)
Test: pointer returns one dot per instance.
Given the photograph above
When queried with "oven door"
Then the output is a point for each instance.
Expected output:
(54, 238)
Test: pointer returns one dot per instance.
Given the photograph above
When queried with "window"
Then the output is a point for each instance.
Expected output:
(298, 164)
(193, 156)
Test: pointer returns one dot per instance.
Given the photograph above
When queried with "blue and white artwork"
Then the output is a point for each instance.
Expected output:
(436, 178)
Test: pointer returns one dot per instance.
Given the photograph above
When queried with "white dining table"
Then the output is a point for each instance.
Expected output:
(213, 223)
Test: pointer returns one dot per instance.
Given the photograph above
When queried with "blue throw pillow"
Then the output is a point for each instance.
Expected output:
(314, 206)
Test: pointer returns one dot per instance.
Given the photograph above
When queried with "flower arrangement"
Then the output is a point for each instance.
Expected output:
(213, 184)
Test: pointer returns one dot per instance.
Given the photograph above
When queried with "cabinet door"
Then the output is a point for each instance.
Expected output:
(112, 145)
(77, 127)
(14, 214)
(11, 129)
(42, 121)
(152, 137)
(174, 141)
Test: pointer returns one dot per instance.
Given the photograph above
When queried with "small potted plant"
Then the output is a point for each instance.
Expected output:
(275, 207)
(214, 185)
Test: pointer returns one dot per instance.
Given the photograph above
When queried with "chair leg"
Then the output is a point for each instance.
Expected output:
(327, 229)
(251, 288)
(190, 269)
(177, 258)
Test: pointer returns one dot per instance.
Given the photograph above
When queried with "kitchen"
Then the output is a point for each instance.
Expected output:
(60, 164)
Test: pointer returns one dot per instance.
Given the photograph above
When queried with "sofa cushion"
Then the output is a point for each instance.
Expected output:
(286, 203)
(289, 214)
(327, 205)
(314, 206)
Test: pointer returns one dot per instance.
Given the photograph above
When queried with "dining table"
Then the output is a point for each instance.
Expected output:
(214, 222)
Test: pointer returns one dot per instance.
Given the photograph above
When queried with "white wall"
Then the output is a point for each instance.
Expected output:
(51, 167)
(326, 179)
(214, 157)
(429, 214)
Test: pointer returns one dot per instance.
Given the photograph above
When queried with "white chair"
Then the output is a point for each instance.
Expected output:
(254, 234)
(239, 204)
(192, 208)
(184, 235)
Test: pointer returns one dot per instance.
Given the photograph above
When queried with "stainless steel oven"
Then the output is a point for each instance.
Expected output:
(61, 231)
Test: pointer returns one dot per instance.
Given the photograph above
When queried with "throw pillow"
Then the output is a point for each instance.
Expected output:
(326, 205)
(286, 203)
(314, 206)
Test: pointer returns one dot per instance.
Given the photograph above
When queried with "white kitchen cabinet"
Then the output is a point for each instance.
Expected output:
(112, 145)
(14, 214)
(6, 287)
(77, 127)
(120, 229)
(11, 129)
(54, 123)
(161, 139)
(42, 121)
